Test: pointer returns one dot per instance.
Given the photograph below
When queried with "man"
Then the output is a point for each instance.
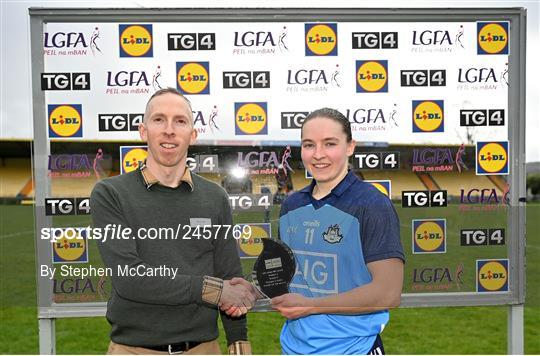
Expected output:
(169, 303)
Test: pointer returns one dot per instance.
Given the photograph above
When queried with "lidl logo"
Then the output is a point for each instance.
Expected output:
(65, 120)
(492, 275)
(492, 37)
(372, 76)
(250, 243)
(132, 158)
(429, 236)
(321, 39)
(492, 158)
(70, 245)
(136, 41)
(428, 115)
(193, 77)
(251, 118)
(384, 186)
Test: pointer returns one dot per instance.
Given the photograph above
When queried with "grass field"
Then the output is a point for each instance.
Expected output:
(449, 330)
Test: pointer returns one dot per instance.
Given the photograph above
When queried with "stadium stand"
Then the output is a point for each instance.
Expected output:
(16, 183)
(15, 173)
(454, 182)
(401, 180)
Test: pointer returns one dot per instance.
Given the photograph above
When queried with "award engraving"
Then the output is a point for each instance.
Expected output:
(274, 268)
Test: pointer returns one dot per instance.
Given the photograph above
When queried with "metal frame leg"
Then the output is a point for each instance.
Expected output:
(47, 336)
(516, 330)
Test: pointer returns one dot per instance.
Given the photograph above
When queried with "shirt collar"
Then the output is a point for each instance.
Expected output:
(150, 179)
(339, 189)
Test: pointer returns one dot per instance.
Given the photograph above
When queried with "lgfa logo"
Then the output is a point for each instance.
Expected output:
(384, 186)
(492, 158)
(65, 120)
(492, 37)
(428, 115)
(70, 246)
(193, 77)
(132, 158)
(492, 275)
(251, 118)
(372, 76)
(136, 41)
(251, 245)
(429, 236)
(321, 39)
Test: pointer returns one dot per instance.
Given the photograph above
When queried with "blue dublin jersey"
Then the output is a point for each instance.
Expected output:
(333, 239)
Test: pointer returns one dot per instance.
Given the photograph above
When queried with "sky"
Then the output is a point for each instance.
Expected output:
(15, 66)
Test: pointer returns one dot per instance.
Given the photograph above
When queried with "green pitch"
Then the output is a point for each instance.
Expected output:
(463, 330)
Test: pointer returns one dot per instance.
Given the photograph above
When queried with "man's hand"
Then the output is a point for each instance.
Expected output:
(293, 306)
(237, 297)
(249, 286)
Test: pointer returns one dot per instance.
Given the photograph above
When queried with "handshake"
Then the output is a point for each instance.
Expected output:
(238, 297)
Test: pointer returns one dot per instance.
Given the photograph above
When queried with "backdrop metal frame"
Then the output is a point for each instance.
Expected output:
(515, 298)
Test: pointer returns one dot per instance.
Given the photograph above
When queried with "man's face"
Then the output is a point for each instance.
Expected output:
(168, 130)
(325, 150)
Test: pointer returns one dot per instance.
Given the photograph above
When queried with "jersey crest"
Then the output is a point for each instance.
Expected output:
(332, 235)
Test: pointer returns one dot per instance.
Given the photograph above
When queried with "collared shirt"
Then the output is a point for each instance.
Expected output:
(334, 194)
(150, 179)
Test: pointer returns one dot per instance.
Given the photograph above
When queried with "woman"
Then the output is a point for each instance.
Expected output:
(345, 237)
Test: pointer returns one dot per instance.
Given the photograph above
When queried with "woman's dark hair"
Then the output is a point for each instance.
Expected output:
(332, 114)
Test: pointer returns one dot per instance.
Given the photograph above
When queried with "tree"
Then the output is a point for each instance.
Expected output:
(533, 183)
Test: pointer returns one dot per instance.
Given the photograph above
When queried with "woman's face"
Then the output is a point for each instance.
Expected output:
(325, 150)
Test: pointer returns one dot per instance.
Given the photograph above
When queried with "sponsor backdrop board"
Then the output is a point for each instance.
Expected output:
(436, 107)
(396, 82)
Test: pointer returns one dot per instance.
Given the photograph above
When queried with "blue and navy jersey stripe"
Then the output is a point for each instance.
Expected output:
(333, 240)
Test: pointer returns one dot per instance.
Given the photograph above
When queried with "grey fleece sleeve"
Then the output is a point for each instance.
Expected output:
(227, 265)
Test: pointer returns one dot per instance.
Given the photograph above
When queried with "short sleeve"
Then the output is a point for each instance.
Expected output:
(379, 231)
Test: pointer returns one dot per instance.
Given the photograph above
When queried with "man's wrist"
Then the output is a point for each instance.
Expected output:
(212, 288)
(240, 347)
